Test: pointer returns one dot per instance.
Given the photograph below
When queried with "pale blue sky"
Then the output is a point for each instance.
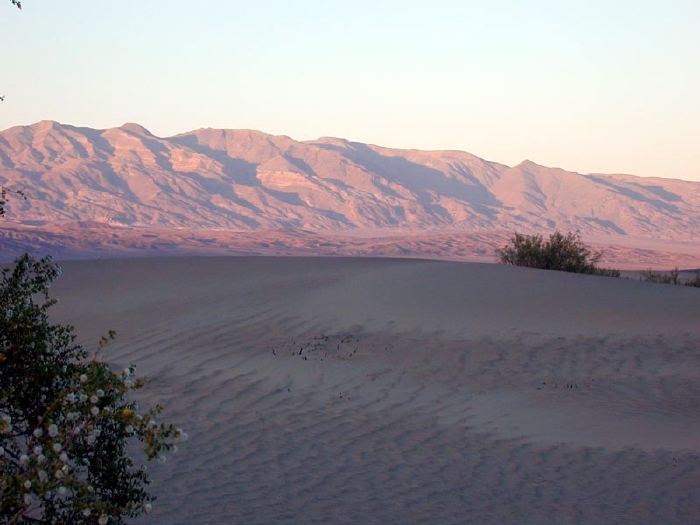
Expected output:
(590, 86)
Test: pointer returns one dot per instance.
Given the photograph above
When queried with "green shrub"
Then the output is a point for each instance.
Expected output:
(566, 253)
(66, 422)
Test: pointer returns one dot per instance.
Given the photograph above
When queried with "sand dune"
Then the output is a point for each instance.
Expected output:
(377, 391)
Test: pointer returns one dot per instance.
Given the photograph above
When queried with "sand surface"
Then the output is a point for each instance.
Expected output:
(376, 391)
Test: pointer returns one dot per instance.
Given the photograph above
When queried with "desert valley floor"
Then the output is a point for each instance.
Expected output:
(380, 391)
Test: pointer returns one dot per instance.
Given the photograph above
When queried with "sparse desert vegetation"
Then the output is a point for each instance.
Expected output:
(673, 277)
(562, 252)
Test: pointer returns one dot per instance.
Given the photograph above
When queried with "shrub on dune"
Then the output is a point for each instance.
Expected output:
(562, 252)
(66, 422)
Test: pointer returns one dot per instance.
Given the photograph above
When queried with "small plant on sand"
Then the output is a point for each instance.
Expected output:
(694, 282)
(653, 276)
(566, 253)
(66, 423)
(672, 277)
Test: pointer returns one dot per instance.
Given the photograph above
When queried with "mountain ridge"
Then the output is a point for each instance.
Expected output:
(248, 181)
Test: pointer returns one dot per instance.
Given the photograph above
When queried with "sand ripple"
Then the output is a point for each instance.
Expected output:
(306, 405)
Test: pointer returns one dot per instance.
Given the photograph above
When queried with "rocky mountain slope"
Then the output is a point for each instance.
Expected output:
(125, 178)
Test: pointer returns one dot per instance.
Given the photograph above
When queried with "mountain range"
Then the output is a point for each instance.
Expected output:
(125, 191)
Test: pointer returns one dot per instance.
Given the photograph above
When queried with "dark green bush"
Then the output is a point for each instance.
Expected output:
(66, 421)
(566, 253)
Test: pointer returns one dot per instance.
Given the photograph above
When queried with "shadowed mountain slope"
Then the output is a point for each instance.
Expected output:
(245, 181)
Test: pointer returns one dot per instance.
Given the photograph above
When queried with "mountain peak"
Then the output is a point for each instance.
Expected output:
(247, 180)
(530, 166)
(527, 163)
(46, 125)
(138, 129)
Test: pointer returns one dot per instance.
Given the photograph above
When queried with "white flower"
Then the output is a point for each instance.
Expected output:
(103, 519)
(57, 447)
(128, 383)
(62, 490)
(91, 488)
(147, 507)
(43, 476)
(94, 399)
(37, 450)
(27, 499)
(24, 459)
(6, 425)
(40, 458)
(100, 392)
(83, 398)
(38, 432)
(83, 378)
(90, 439)
(27, 484)
(128, 429)
(71, 397)
(86, 512)
(94, 411)
(63, 457)
(58, 474)
(53, 430)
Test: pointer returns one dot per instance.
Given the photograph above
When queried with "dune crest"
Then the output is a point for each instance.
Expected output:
(328, 391)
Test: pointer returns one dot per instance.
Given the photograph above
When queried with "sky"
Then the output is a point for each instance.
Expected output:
(589, 86)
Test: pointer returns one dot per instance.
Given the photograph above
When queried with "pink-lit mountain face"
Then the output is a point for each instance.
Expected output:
(120, 184)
